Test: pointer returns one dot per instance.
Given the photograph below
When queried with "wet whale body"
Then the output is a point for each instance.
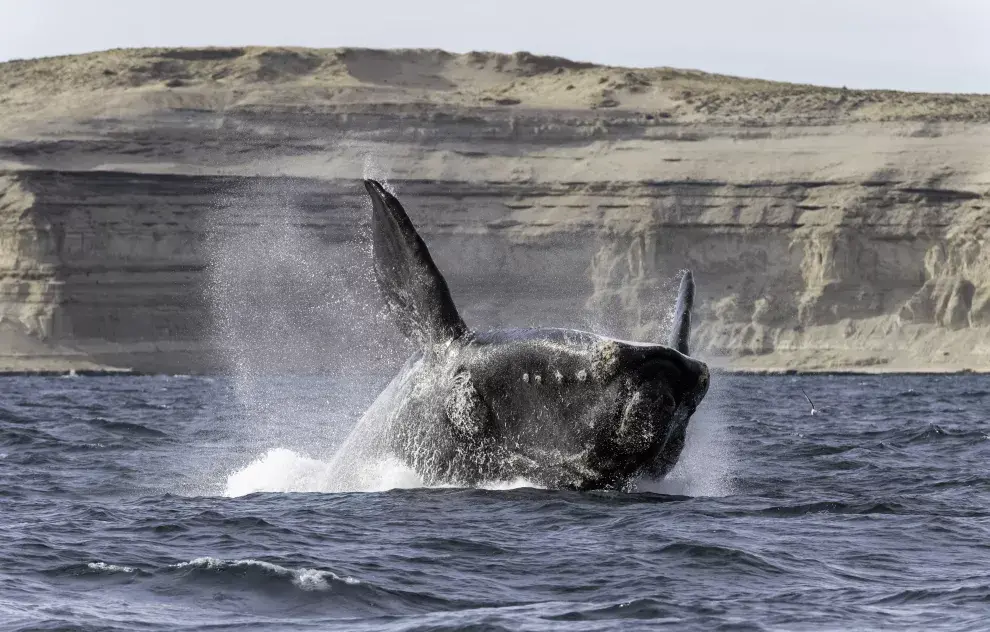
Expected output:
(558, 407)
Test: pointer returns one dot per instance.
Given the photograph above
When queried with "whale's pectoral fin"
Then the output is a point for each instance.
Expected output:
(414, 290)
(681, 334)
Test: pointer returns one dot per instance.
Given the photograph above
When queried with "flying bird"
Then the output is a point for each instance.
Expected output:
(813, 409)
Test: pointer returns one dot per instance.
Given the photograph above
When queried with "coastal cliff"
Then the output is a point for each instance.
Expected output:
(174, 209)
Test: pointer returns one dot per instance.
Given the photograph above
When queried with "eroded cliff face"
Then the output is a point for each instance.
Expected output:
(160, 208)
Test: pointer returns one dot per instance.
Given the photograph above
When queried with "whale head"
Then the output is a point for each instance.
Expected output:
(571, 408)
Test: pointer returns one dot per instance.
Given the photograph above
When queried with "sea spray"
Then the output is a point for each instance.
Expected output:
(281, 470)
(298, 326)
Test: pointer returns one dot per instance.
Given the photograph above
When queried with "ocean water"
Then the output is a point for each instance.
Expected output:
(173, 503)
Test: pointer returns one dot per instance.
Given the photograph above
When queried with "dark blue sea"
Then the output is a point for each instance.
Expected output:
(178, 503)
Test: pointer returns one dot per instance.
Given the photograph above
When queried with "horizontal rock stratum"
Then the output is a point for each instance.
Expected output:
(185, 209)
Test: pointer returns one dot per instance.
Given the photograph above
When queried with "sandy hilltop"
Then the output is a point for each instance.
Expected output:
(161, 207)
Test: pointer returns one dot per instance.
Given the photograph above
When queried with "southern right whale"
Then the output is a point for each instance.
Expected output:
(559, 407)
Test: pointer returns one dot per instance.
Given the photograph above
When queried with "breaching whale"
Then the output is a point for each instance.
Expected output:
(558, 407)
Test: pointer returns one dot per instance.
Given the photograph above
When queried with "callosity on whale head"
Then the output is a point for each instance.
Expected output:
(558, 407)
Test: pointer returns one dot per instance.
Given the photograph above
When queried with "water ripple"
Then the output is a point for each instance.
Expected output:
(874, 514)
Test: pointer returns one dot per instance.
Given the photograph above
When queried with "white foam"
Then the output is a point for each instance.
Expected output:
(110, 568)
(282, 470)
(285, 471)
(393, 474)
(305, 578)
(516, 483)
(279, 470)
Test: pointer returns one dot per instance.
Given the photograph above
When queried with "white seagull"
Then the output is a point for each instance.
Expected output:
(813, 409)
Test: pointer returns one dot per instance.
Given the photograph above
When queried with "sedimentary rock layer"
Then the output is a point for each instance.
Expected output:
(177, 209)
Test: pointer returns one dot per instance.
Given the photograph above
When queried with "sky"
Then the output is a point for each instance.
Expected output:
(920, 45)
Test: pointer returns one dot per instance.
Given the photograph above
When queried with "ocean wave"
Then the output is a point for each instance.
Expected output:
(110, 568)
(350, 596)
(308, 579)
(956, 595)
(910, 393)
(919, 434)
(94, 569)
(977, 394)
(26, 436)
(647, 609)
(126, 428)
(723, 555)
(834, 507)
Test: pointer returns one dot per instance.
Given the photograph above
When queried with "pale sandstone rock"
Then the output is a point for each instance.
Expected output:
(148, 197)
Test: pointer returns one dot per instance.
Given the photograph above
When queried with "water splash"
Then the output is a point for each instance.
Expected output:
(282, 470)
(297, 321)
(376, 169)
(707, 464)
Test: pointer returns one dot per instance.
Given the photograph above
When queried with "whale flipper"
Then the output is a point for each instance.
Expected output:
(681, 334)
(413, 288)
